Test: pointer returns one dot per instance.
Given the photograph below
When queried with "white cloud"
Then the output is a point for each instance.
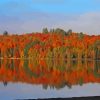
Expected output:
(87, 22)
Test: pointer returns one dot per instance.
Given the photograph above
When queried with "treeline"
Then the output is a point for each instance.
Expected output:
(61, 31)
(51, 44)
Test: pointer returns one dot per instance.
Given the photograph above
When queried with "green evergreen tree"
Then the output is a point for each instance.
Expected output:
(45, 30)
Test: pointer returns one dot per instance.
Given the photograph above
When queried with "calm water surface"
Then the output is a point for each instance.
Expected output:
(23, 79)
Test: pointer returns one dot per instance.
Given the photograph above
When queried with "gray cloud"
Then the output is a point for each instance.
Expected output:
(87, 23)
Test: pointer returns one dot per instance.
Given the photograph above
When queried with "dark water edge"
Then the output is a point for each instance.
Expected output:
(73, 98)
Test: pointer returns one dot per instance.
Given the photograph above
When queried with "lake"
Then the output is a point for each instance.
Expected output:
(31, 78)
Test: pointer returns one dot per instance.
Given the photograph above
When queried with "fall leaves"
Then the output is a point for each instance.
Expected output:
(44, 45)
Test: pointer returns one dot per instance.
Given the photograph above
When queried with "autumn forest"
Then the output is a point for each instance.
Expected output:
(53, 44)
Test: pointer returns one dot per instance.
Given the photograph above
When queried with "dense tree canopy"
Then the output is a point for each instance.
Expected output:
(54, 44)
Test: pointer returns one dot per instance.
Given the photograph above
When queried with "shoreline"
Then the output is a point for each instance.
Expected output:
(72, 98)
(57, 59)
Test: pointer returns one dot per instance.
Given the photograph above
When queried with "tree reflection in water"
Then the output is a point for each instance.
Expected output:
(5, 83)
(54, 74)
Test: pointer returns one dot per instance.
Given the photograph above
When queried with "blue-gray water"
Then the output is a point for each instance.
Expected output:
(26, 91)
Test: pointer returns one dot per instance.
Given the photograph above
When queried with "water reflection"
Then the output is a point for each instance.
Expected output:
(54, 74)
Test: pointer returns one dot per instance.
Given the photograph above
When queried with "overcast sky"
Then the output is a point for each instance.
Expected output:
(22, 16)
